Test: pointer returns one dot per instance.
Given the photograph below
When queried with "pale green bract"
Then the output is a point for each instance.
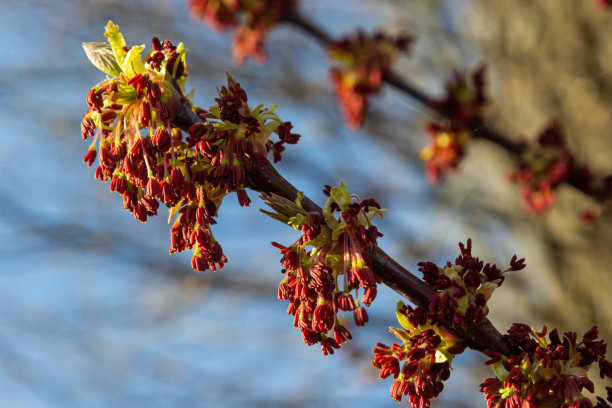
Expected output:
(102, 57)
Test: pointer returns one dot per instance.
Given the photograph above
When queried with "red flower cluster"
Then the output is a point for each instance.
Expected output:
(543, 166)
(119, 108)
(546, 373)
(148, 161)
(427, 353)
(340, 239)
(444, 151)
(463, 288)
(359, 64)
(250, 20)
(460, 301)
(462, 106)
(605, 3)
(231, 148)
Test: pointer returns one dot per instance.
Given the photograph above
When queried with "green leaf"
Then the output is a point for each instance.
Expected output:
(216, 112)
(441, 357)
(402, 319)
(297, 221)
(102, 57)
(115, 38)
(341, 196)
(132, 64)
(500, 371)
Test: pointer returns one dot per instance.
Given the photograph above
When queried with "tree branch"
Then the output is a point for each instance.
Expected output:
(267, 180)
(600, 191)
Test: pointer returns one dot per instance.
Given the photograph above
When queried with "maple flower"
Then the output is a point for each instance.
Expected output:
(445, 150)
(149, 161)
(249, 19)
(543, 166)
(549, 372)
(462, 106)
(328, 265)
(463, 288)
(238, 140)
(133, 103)
(459, 302)
(425, 357)
(359, 64)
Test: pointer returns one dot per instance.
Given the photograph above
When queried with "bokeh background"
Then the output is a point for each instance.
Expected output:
(95, 313)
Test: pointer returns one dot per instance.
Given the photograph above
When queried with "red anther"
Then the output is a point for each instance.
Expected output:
(106, 157)
(136, 78)
(94, 99)
(176, 178)
(243, 198)
(361, 316)
(145, 114)
(140, 213)
(90, 157)
(198, 263)
(87, 127)
(153, 188)
(323, 318)
(161, 140)
(157, 46)
(341, 334)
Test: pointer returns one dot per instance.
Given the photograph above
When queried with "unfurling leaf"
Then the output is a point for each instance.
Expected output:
(102, 57)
